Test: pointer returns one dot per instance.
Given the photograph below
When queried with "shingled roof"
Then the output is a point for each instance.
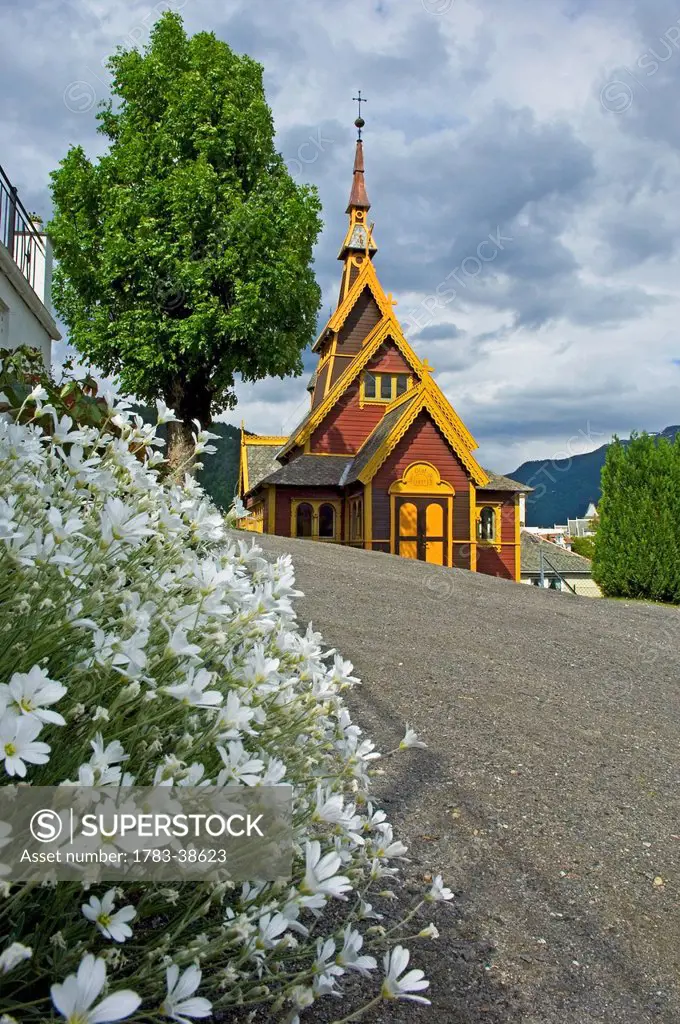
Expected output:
(560, 558)
(310, 471)
(375, 440)
(261, 461)
(503, 483)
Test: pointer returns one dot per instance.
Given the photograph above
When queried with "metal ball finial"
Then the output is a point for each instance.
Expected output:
(360, 122)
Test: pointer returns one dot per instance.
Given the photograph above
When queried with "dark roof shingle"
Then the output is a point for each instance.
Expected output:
(503, 483)
(375, 440)
(261, 461)
(310, 471)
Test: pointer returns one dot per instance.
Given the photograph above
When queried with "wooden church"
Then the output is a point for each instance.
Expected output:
(381, 460)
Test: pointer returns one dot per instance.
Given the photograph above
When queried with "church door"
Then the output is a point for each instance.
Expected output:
(422, 529)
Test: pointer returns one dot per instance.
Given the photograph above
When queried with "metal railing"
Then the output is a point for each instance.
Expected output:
(543, 561)
(19, 236)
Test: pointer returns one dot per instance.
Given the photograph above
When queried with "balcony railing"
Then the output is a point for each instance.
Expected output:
(19, 236)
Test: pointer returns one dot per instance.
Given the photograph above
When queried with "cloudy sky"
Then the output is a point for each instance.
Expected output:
(549, 125)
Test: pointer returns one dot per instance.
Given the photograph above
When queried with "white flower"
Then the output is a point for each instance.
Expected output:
(238, 510)
(111, 925)
(349, 954)
(439, 893)
(165, 415)
(38, 394)
(121, 523)
(320, 873)
(386, 846)
(180, 646)
(239, 766)
(193, 690)
(28, 692)
(178, 1003)
(106, 754)
(411, 739)
(13, 955)
(17, 736)
(201, 440)
(75, 995)
(393, 986)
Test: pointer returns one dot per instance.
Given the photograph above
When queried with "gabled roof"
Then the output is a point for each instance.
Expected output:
(258, 459)
(383, 441)
(387, 328)
(366, 278)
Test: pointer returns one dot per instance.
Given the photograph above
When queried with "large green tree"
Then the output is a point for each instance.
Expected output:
(185, 251)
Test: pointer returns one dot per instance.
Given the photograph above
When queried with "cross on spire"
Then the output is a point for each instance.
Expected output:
(359, 121)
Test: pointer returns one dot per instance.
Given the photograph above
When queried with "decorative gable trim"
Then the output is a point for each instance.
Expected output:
(387, 328)
(367, 279)
(425, 402)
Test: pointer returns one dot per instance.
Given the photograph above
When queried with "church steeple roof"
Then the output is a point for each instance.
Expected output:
(359, 237)
(358, 199)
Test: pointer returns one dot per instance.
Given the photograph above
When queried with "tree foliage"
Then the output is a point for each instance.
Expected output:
(637, 545)
(185, 250)
(584, 546)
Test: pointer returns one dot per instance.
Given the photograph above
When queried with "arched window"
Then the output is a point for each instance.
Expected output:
(326, 521)
(487, 524)
(303, 520)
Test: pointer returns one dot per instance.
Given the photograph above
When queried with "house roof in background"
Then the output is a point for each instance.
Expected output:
(563, 561)
(503, 483)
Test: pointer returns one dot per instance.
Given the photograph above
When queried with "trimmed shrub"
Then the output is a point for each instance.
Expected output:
(637, 546)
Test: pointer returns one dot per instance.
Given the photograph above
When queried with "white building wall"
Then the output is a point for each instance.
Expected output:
(25, 317)
(19, 325)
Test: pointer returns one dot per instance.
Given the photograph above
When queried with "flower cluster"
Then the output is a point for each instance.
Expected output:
(142, 644)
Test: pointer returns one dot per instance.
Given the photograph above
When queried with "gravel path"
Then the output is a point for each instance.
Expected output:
(548, 796)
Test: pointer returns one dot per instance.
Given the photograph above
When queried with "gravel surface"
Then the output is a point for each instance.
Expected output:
(548, 796)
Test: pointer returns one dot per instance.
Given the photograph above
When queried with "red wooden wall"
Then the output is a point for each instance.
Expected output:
(284, 497)
(423, 442)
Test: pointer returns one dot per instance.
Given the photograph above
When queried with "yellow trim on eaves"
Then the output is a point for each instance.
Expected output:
(367, 278)
(387, 327)
(424, 401)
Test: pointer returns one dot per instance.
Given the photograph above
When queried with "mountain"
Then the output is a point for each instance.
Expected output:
(564, 487)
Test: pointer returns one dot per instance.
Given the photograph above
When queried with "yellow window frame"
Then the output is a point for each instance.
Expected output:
(377, 400)
(316, 505)
(496, 507)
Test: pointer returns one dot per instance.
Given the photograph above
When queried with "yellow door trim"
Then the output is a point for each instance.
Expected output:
(271, 508)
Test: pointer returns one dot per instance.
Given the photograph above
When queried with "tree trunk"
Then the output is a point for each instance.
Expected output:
(181, 447)
(192, 400)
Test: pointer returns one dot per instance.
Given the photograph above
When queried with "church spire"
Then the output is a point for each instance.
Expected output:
(359, 237)
(358, 199)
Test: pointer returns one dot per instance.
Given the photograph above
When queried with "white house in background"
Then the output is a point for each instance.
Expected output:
(545, 564)
(25, 277)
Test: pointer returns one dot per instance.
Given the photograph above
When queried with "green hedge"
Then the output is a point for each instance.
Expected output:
(637, 548)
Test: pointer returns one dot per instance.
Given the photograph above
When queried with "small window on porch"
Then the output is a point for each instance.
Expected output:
(327, 521)
(303, 520)
(487, 525)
